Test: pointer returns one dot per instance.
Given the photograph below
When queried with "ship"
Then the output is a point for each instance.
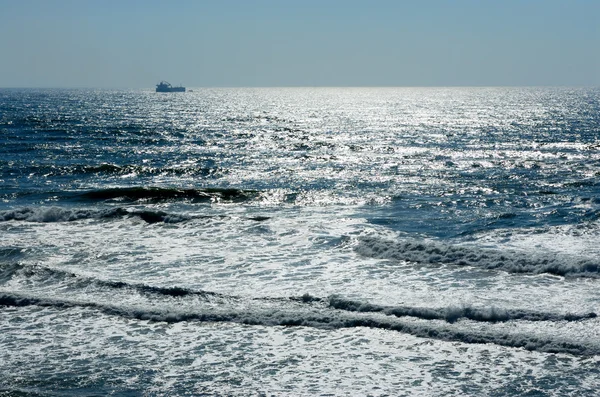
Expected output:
(163, 86)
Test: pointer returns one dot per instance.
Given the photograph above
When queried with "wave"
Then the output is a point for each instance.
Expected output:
(145, 194)
(448, 314)
(453, 314)
(315, 318)
(58, 214)
(159, 194)
(82, 282)
(306, 310)
(44, 273)
(437, 253)
(111, 169)
(11, 253)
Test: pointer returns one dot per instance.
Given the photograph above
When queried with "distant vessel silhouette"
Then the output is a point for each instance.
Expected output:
(163, 86)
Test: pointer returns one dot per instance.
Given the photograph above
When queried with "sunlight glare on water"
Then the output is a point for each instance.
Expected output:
(300, 241)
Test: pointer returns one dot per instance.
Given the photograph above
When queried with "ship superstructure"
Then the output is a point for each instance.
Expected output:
(164, 86)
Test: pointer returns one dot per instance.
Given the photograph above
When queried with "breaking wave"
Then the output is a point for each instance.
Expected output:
(437, 253)
(448, 314)
(453, 314)
(314, 317)
(58, 214)
(80, 281)
(160, 194)
(11, 253)
(115, 169)
(306, 310)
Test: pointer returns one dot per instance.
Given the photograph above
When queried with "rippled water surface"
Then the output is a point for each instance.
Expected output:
(347, 241)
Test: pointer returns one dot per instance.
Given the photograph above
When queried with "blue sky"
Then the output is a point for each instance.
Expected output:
(135, 43)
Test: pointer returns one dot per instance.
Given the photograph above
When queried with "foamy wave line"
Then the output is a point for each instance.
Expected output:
(58, 214)
(317, 319)
(453, 314)
(80, 281)
(448, 314)
(436, 253)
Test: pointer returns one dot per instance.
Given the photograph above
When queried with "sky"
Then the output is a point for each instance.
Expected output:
(276, 43)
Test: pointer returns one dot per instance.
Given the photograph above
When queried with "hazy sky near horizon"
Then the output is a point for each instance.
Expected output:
(136, 43)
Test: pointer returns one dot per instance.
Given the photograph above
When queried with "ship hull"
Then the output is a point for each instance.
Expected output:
(171, 89)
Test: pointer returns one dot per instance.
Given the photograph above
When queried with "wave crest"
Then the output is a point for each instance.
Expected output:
(159, 194)
(58, 214)
(453, 314)
(437, 253)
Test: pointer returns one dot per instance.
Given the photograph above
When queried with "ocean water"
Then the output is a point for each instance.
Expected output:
(300, 242)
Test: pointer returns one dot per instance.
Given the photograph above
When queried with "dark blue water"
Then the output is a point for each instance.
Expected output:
(345, 241)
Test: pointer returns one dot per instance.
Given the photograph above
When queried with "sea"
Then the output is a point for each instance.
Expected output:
(300, 242)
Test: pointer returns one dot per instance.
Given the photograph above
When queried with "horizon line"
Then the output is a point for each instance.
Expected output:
(308, 86)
